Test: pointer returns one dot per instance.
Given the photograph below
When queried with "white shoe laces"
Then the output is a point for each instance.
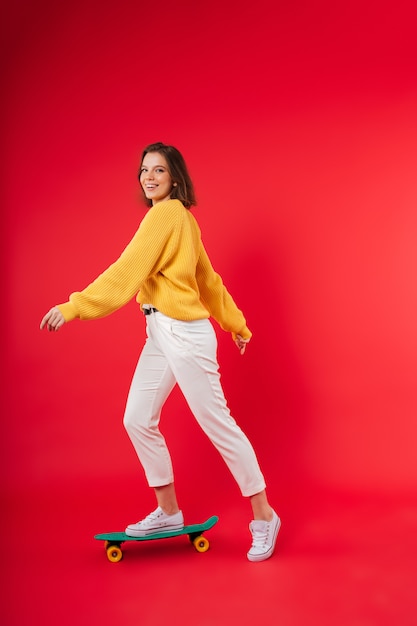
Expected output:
(151, 517)
(260, 534)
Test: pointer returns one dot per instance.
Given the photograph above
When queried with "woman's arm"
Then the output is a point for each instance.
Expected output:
(146, 253)
(218, 300)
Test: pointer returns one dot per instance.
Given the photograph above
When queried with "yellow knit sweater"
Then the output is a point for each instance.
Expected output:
(165, 265)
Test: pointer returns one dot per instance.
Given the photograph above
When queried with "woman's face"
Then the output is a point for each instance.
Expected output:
(155, 178)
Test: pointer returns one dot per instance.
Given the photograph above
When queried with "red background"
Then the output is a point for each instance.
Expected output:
(298, 123)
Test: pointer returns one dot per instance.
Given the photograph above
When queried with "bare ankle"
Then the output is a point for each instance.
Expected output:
(167, 499)
(170, 510)
(261, 507)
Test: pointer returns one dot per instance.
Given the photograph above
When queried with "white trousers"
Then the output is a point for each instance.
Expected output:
(184, 353)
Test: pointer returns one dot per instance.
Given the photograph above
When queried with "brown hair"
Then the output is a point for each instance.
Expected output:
(184, 188)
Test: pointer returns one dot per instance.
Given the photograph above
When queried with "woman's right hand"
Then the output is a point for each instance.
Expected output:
(53, 320)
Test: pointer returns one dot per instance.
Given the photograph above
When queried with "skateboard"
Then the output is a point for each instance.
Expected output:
(114, 541)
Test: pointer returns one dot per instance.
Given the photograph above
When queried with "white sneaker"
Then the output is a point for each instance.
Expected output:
(264, 537)
(156, 522)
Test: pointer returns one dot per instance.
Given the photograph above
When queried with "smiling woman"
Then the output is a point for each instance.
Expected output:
(155, 178)
(163, 165)
(167, 268)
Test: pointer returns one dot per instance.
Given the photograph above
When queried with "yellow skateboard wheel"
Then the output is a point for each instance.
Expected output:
(201, 544)
(114, 554)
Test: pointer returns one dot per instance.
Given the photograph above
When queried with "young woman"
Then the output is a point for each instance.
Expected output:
(167, 268)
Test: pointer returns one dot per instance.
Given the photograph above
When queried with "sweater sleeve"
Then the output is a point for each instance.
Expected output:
(217, 299)
(150, 248)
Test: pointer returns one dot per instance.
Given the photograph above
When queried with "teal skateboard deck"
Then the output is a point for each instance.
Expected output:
(114, 541)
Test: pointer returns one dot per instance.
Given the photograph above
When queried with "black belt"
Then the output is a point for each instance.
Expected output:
(149, 311)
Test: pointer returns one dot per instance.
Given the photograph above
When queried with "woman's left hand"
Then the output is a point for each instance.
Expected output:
(241, 343)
